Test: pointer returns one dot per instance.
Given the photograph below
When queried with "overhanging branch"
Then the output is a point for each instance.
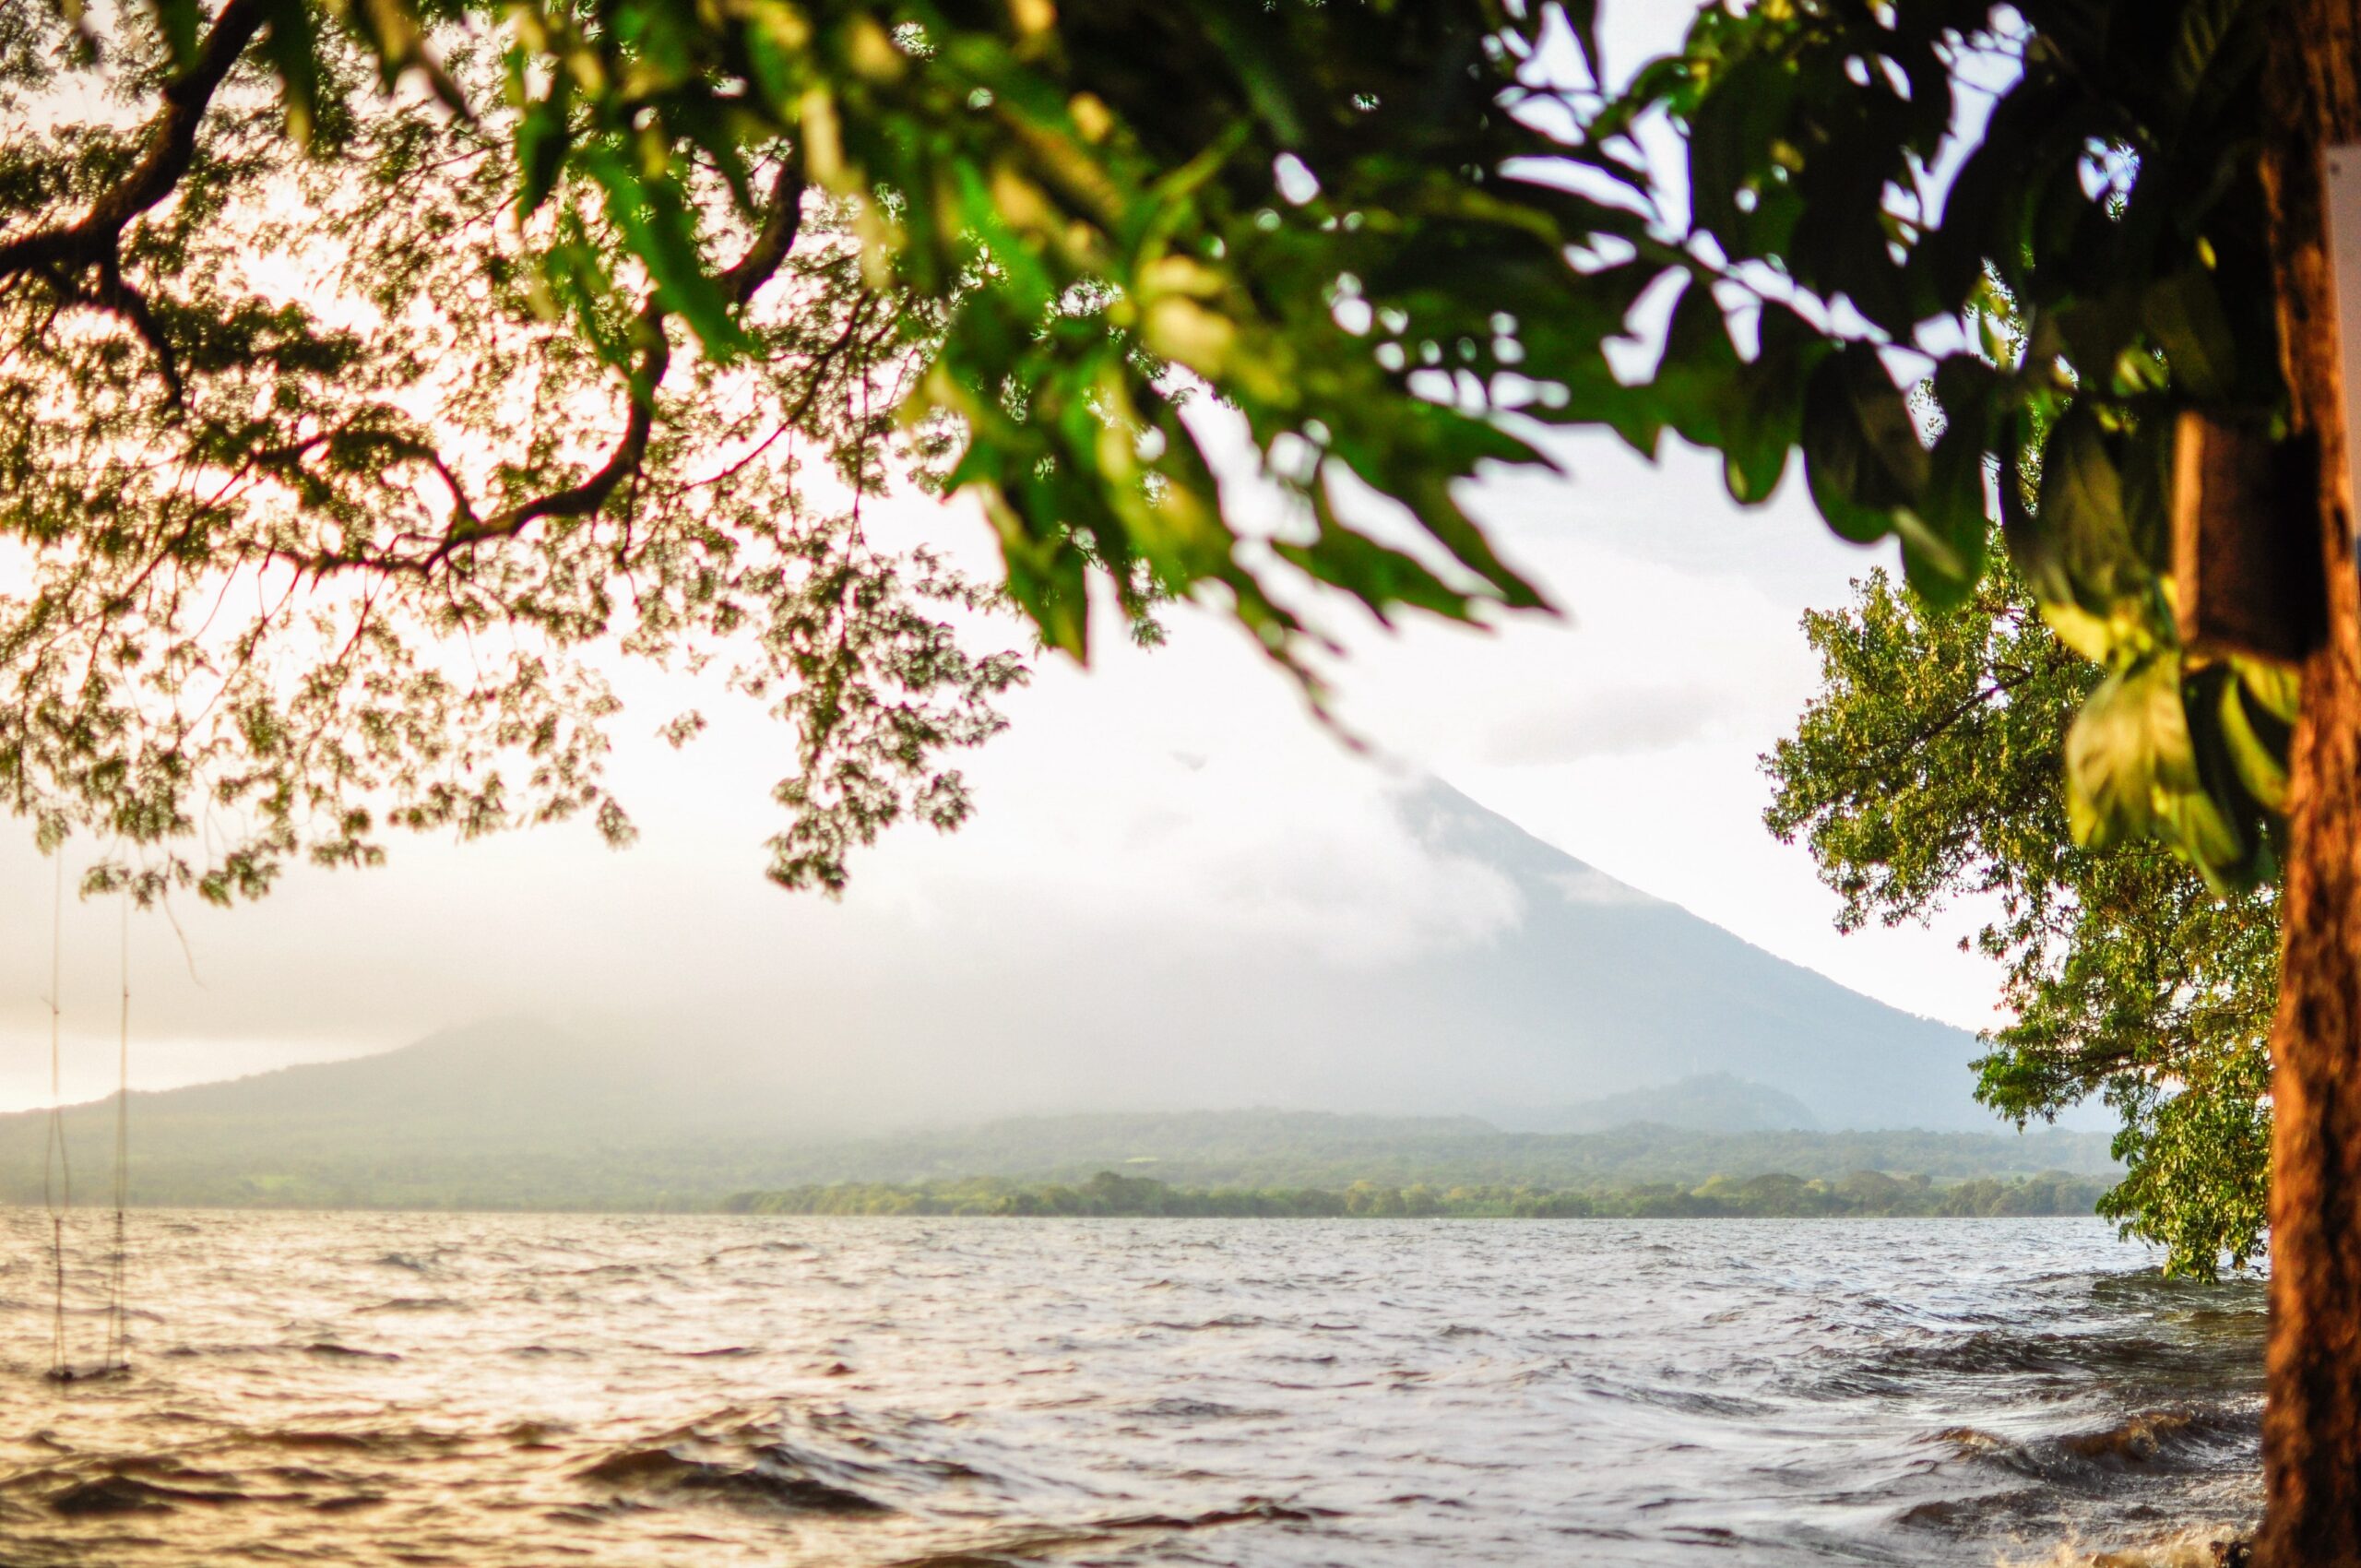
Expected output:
(94, 239)
(782, 223)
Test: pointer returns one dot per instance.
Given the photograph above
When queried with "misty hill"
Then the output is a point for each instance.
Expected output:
(1581, 1006)
(1711, 1102)
(1525, 980)
(516, 1116)
(1604, 991)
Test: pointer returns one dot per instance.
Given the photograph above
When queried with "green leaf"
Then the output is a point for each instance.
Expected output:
(1269, 79)
(179, 21)
(2184, 314)
(1945, 534)
(1692, 384)
(2131, 735)
(2256, 739)
(1862, 454)
(1377, 574)
(543, 137)
(291, 45)
(2204, 35)
(655, 222)
(1763, 419)
(2083, 527)
(2216, 820)
(1582, 17)
(1731, 138)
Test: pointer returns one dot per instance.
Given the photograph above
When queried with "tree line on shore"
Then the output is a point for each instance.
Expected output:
(1862, 1195)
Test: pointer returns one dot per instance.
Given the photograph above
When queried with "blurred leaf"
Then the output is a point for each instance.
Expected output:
(2185, 315)
(2130, 741)
(655, 222)
(1730, 136)
(2083, 522)
(543, 139)
(2257, 737)
(178, 21)
(2205, 31)
(1862, 453)
(291, 45)
(1946, 535)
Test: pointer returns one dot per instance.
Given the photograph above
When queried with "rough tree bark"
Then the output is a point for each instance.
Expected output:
(2312, 1419)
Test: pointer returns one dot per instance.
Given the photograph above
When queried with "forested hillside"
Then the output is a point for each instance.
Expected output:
(200, 1154)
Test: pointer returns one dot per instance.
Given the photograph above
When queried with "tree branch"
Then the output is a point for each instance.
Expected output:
(782, 222)
(171, 145)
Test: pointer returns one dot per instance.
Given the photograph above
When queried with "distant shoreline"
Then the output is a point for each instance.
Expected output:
(1862, 1195)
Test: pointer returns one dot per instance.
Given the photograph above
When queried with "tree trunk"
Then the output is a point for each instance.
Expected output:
(2311, 1434)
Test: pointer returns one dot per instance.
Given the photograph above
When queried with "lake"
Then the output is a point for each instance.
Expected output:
(492, 1390)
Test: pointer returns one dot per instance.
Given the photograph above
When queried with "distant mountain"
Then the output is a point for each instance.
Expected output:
(1584, 1007)
(1601, 991)
(1545, 983)
(1711, 1102)
(405, 1131)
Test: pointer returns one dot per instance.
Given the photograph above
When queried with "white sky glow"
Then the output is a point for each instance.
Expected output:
(1183, 798)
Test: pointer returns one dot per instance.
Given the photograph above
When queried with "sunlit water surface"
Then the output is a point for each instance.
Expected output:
(542, 1390)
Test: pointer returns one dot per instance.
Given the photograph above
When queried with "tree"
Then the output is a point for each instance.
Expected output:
(2136, 233)
(2141, 213)
(1926, 770)
(376, 374)
(1952, 253)
(2312, 1417)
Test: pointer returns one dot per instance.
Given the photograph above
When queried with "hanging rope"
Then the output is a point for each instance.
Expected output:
(57, 1172)
(118, 1335)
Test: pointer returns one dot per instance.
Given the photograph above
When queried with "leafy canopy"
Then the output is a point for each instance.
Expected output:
(376, 370)
(1926, 773)
(2045, 221)
(529, 351)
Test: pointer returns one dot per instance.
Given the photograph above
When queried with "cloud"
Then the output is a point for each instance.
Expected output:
(1178, 807)
(1610, 721)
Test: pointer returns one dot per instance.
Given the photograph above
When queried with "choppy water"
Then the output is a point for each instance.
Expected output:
(539, 1390)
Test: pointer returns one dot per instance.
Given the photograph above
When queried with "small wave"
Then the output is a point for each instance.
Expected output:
(761, 1247)
(1182, 1409)
(348, 1441)
(2201, 1546)
(415, 1304)
(533, 1434)
(1968, 1515)
(120, 1490)
(113, 1494)
(1688, 1401)
(666, 1470)
(802, 1458)
(2160, 1437)
(1986, 1351)
(330, 1347)
(2215, 1357)
(1232, 1321)
(2148, 1440)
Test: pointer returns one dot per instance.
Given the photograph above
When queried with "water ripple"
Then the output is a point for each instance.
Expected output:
(513, 1391)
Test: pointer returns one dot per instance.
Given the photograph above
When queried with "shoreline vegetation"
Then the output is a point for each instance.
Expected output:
(284, 1143)
(1863, 1194)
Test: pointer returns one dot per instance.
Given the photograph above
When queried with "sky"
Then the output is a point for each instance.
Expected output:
(1183, 797)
